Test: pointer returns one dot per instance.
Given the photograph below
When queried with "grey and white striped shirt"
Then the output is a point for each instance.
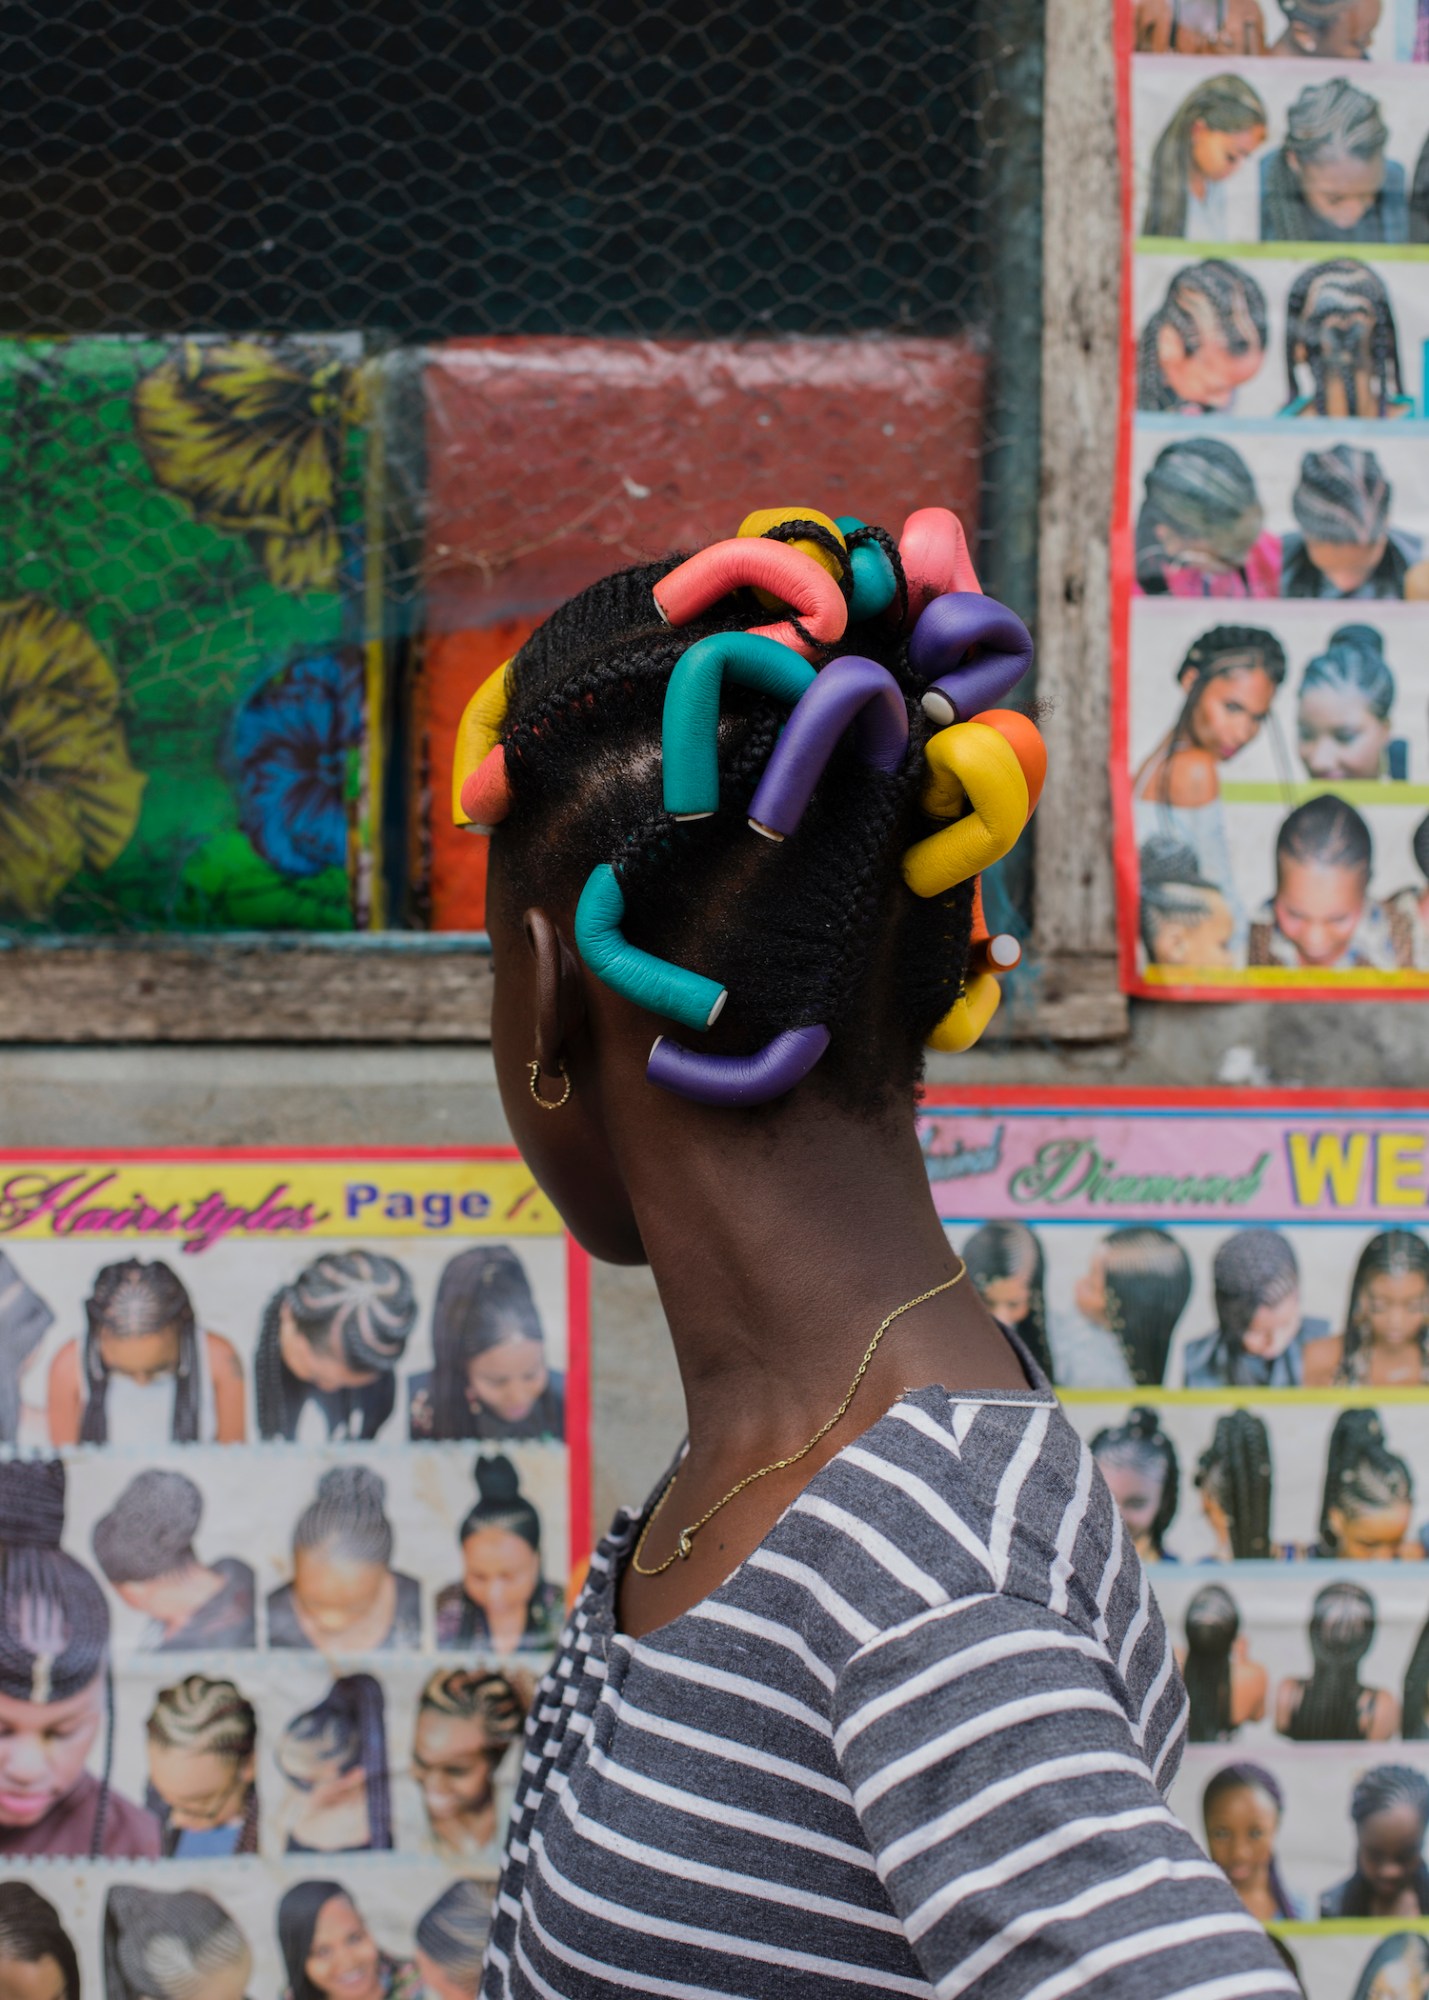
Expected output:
(916, 1743)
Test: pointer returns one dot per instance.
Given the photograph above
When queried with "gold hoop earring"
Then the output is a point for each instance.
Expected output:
(548, 1103)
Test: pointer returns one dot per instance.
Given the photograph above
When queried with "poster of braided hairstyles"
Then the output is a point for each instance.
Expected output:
(294, 1483)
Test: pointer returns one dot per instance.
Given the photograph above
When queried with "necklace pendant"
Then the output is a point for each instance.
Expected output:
(686, 1545)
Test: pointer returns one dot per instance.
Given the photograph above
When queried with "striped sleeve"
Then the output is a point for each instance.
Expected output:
(1015, 1823)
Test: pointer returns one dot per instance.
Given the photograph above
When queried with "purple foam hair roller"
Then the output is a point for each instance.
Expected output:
(959, 688)
(850, 692)
(771, 1072)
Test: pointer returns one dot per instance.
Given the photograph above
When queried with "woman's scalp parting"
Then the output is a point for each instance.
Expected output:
(769, 774)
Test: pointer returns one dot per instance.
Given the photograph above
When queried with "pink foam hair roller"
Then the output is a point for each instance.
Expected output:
(934, 553)
(750, 562)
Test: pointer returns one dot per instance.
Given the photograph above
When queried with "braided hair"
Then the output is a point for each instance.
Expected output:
(1148, 1281)
(352, 1303)
(129, 1300)
(1221, 104)
(1200, 491)
(1172, 889)
(54, 1622)
(348, 1727)
(150, 1529)
(1339, 314)
(347, 1517)
(1316, 15)
(1342, 1628)
(1141, 1446)
(475, 1696)
(166, 1945)
(1328, 831)
(25, 1319)
(1362, 1475)
(1221, 651)
(1393, 1253)
(1253, 1268)
(1235, 1472)
(1212, 299)
(1247, 1777)
(452, 1932)
(30, 1929)
(1384, 1788)
(1011, 1250)
(207, 1719)
(1409, 1949)
(814, 930)
(1342, 496)
(1212, 1627)
(483, 1301)
(501, 1504)
(1327, 121)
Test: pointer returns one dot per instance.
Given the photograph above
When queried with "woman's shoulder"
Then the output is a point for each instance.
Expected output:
(1322, 1360)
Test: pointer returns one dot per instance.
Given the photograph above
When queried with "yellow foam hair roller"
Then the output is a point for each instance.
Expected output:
(765, 518)
(974, 773)
(478, 732)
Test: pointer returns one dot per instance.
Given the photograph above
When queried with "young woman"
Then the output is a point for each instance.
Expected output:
(1225, 1687)
(1390, 1810)
(330, 1954)
(145, 1547)
(1241, 1808)
(1321, 915)
(1214, 131)
(1005, 1262)
(1333, 1706)
(1330, 181)
(503, 1603)
(1204, 341)
(345, 1596)
(25, 1319)
(328, 1350)
(334, 1758)
(1385, 1343)
(174, 1945)
(489, 1378)
(1234, 1478)
(1260, 1334)
(1336, 30)
(1184, 919)
(1368, 1499)
(37, 1957)
(1339, 325)
(203, 1761)
(56, 1695)
(1201, 529)
(1136, 1286)
(1346, 547)
(1344, 712)
(1138, 1462)
(770, 1675)
(144, 1374)
(466, 1723)
(1397, 1969)
(451, 1941)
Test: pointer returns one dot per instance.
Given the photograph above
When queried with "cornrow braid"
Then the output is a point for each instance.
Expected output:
(1235, 1471)
(1339, 313)
(129, 1300)
(1213, 297)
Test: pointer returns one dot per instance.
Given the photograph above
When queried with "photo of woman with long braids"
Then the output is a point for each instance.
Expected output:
(466, 1723)
(503, 1603)
(1138, 1462)
(203, 1762)
(180, 1944)
(1333, 1705)
(1261, 1331)
(1214, 131)
(1136, 1286)
(345, 1596)
(37, 1955)
(56, 1687)
(1200, 530)
(1385, 1343)
(334, 1760)
(1234, 1479)
(1389, 1808)
(25, 1319)
(1225, 1687)
(490, 1377)
(328, 1349)
(145, 1547)
(1414, 1721)
(144, 1374)
(1203, 343)
(1330, 181)
(1344, 712)
(1340, 330)
(1396, 1969)
(1367, 1505)
(330, 1954)
(1346, 547)
(1241, 1809)
(1005, 1262)
(451, 1941)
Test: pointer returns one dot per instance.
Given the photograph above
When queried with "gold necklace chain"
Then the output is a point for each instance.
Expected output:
(687, 1535)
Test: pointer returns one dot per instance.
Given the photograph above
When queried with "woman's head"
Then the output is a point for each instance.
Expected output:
(24, 1321)
(37, 1958)
(1241, 1809)
(203, 1745)
(1257, 1291)
(1340, 30)
(1342, 1625)
(1369, 1492)
(342, 1546)
(1339, 325)
(500, 1542)
(1342, 507)
(1228, 680)
(487, 1341)
(1212, 1628)
(148, 1535)
(1137, 1287)
(1323, 859)
(466, 1722)
(1389, 1297)
(174, 1945)
(328, 1951)
(1005, 1262)
(1397, 1969)
(1335, 138)
(1138, 1462)
(1201, 512)
(1390, 1810)
(451, 1941)
(1204, 342)
(1219, 125)
(141, 1325)
(1185, 920)
(337, 1752)
(342, 1322)
(1343, 715)
(1234, 1476)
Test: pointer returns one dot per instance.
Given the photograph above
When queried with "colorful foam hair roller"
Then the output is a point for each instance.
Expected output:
(690, 727)
(874, 584)
(638, 976)
(945, 633)
(486, 794)
(934, 553)
(849, 691)
(974, 763)
(765, 518)
(1028, 748)
(477, 734)
(736, 1080)
(787, 573)
(989, 957)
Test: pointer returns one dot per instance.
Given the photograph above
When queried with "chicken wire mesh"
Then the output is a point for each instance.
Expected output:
(336, 345)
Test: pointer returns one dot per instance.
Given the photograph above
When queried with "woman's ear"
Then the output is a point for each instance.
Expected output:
(560, 990)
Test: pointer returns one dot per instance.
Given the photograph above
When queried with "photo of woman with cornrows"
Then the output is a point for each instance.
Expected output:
(490, 1377)
(503, 1602)
(329, 1346)
(37, 1954)
(203, 1760)
(345, 1596)
(144, 1373)
(1389, 1809)
(1333, 1705)
(172, 1945)
(145, 1547)
(333, 1758)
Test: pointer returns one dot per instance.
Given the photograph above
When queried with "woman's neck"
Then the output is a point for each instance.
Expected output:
(184, 1594)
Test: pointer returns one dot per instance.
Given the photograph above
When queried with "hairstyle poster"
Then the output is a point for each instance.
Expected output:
(294, 1478)
(1230, 1291)
(1270, 759)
